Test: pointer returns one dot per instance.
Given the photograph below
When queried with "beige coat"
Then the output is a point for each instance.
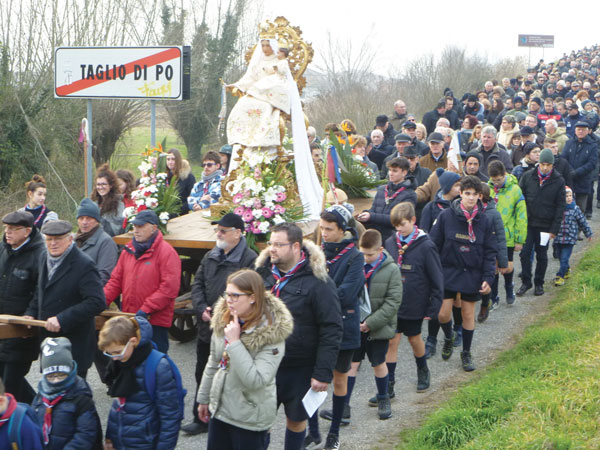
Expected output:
(244, 394)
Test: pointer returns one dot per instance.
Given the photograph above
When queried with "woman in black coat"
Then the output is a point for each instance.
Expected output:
(180, 168)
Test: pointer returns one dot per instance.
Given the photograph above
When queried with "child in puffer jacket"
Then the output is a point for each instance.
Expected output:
(573, 221)
(64, 406)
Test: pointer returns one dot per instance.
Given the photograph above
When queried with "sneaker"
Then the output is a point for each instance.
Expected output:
(524, 288)
(495, 304)
(332, 442)
(384, 408)
(510, 294)
(539, 290)
(467, 361)
(194, 428)
(311, 442)
(458, 338)
(568, 274)
(484, 312)
(430, 347)
(423, 379)
(559, 281)
(448, 347)
(327, 414)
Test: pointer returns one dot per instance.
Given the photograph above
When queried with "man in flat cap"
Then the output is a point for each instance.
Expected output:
(20, 252)
(69, 293)
(148, 275)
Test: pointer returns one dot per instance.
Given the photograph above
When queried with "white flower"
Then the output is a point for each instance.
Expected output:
(162, 176)
(235, 186)
(253, 158)
(152, 188)
(145, 167)
(164, 216)
(144, 181)
(248, 203)
(151, 202)
(277, 219)
(140, 201)
(257, 188)
(128, 211)
(264, 227)
(269, 195)
(257, 213)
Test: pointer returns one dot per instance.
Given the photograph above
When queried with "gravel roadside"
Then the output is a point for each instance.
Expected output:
(499, 332)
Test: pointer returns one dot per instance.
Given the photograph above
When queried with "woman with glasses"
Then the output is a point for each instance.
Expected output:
(238, 393)
(106, 195)
(137, 419)
(208, 190)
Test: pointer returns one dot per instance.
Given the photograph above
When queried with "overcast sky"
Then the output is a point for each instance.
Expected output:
(402, 30)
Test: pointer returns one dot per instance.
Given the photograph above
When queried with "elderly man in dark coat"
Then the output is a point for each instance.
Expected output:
(20, 252)
(69, 294)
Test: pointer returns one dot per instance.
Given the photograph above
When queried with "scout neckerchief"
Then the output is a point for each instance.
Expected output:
(47, 427)
(337, 257)
(403, 244)
(470, 218)
(280, 281)
(497, 189)
(389, 198)
(40, 216)
(543, 178)
(369, 272)
(10, 409)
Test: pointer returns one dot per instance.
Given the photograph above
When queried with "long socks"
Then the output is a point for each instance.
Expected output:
(391, 371)
(351, 381)
(293, 440)
(421, 362)
(467, 339)
(447, 329)
(433, 328)
(457, 316)
(313, 424)
(336, 414)
(382, 386)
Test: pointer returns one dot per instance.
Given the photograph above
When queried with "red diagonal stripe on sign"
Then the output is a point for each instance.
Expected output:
(149, 61)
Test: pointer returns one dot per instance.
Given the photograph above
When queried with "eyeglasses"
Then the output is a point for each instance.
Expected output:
(235, 296)
(224, 230)
(208, 164)
(119, 355)
(279, 244)
(101, 184)
(10, 229)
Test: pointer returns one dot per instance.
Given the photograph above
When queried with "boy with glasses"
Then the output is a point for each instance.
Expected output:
(208, 190)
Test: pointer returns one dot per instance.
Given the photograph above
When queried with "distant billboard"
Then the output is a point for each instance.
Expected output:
(536, 40)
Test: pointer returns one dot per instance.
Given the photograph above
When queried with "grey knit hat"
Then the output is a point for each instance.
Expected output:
(56, 355)
(88, 208)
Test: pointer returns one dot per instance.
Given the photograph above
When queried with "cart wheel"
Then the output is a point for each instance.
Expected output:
(184, 325)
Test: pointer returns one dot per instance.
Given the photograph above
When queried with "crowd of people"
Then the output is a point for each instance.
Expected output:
(299, 316)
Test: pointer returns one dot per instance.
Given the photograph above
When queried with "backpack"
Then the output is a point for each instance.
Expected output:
(16, 422)
(150, 377)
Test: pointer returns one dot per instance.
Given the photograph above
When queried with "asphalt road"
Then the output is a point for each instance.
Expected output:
(502, 328)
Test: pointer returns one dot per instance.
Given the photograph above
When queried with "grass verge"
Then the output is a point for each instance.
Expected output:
(543, 393)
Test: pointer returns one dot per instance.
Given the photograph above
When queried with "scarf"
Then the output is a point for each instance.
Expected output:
(404, 242)
(120, 376)
(80, 237)
(10, 409)
(54, 262)
(142, 247)
(497, 190)
(371, 269)
(52, 394)
(281, 281)
(389, 198)
(470, 218)
(39, 212)
(337, 257)
(543, 178)
(207, 180)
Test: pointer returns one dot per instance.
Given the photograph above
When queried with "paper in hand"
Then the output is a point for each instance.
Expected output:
(312, 400)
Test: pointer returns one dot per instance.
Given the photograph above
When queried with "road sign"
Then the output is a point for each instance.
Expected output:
(536, 40)
(153, 73)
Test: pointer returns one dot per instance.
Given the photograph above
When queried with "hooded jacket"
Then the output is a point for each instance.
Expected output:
(150, 283)
(244, 394)
(141, 424)
(466, 265)
(311, 297)
(348, 275)
(510, 203)
(490, 211)
(573, 221)
(582, 156)
(545, 204)
(432, 211)
(18, 281)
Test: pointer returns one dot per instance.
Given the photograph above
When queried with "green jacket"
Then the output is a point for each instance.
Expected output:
(512, 208)
(244, 394)
(385, 293)
(561, 137)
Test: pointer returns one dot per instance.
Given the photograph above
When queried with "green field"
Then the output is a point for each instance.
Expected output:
(542, 394)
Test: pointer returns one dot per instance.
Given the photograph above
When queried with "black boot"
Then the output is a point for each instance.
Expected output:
(423, 379)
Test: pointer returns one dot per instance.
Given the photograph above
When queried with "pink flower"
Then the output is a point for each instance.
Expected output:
(237, 198)
(278, 209)
(247, 216)
(239, 211)
(267, 212)
(257, 203)
(257, 173)
(280, 196)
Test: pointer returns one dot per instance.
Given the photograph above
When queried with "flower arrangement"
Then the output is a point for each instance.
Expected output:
(153, 191)
(261, 195)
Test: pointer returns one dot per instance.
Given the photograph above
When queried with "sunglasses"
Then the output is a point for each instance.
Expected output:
(208, 164)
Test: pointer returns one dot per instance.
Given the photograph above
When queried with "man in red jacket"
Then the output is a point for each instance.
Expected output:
(148, 275)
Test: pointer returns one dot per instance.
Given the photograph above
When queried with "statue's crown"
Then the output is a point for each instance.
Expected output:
(266, 30)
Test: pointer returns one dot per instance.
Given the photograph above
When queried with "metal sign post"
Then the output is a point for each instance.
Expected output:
(153, 123)
(88, 152)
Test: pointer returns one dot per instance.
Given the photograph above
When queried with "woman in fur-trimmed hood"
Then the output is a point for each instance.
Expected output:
(250, 326)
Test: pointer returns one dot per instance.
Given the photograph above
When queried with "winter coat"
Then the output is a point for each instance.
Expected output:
(150, 283)
(490, 211)
(420, 174)
(582, 156)
(422, 278)
(245, 394)
(389, 135)
(385, 296)
(18, 280)
(544, 116)
(573, 221)
(428, 191)
(570, 121)
(75, 422)
(429, 162)
(432, 211)
(31, 434)
(311, 297)
(380, 210)
(493, 154)
(103, 251)
(523, 167)
(37, 212)
(185, 184)
(113, 222)
(214, 190)
(510, 203)
(379, 154)
(421, 147)
(561, 137)
(430, 119)
(74, 295)
(545, 204)
(348, 275)
(397, 120)
(142, 424)
(466, 265)
(211, 279)
(563, 167)
(505, 137)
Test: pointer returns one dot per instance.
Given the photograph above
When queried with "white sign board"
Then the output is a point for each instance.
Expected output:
(119, 72)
